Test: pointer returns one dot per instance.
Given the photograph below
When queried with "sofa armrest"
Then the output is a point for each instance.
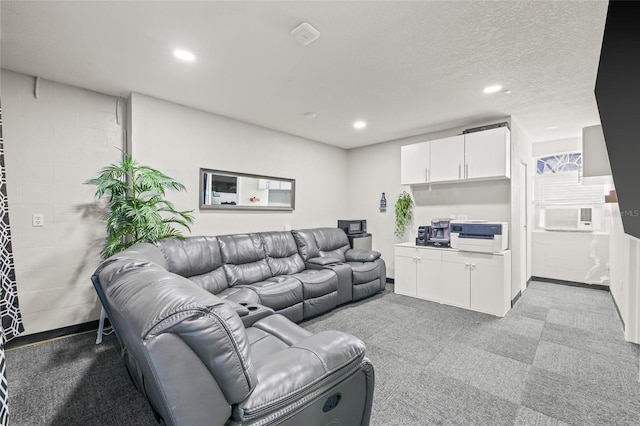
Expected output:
(324, 260)
(354, 255)
(315, 363)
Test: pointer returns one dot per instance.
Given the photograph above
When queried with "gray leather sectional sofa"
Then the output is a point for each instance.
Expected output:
(201, 337)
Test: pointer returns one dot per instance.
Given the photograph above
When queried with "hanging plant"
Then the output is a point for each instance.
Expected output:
(404, 213)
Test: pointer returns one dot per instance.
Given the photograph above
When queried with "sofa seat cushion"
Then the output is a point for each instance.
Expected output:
(317, 282)
(320, 290)
(364, 272)
(273, 334)
(283, 329)
(278, 292)
(263, 344)
(240, 295)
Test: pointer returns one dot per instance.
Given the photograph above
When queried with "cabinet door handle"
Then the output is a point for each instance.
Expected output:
(426, 174)
(473, 266)
(459, 171)
(466, 171)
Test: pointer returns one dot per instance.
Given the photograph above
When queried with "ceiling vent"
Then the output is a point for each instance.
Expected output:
(305, 34)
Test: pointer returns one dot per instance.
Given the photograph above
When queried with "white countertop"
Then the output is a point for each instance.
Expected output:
(413, 245)
(568, 231)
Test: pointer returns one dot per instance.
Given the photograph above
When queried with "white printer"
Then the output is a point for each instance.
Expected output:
(477, 235)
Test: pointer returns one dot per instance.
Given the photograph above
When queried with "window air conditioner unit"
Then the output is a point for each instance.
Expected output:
(565, 218)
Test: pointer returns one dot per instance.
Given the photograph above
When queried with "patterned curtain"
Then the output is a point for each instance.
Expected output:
(11, 325)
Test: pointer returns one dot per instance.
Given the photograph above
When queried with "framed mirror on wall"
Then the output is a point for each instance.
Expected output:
(223, 190)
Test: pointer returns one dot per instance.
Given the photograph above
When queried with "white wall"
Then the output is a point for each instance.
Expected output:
(566, 255)
(624, 269)
(571, 256)
(540, 149)
(180, 140)
(53, 144)
(520, 154)
(632, 318)
(619, 261)
(375, 169)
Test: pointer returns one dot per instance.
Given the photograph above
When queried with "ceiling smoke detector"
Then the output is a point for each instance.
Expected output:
(305, 34)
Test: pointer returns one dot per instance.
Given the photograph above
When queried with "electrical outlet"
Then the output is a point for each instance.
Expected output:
(287, 227)
(37, 220)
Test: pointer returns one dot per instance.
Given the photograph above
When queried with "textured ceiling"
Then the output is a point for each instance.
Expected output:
(404, 67)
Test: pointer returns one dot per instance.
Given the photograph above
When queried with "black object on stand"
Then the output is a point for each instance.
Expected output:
(356, 231)
(360, 241)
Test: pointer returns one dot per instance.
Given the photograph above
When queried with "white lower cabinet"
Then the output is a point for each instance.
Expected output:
(476, 281)
(453, 282)
(406, 275)
(412, 263)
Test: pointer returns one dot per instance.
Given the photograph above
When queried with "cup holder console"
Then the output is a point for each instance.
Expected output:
(256, 312)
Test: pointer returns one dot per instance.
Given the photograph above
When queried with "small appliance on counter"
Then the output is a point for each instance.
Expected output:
(351, 227)
(480, 236)
(356, 231)
(439, 235)
(423, 235)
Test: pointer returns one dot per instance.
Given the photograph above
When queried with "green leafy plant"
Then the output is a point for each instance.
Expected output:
(404, 213)
(138, 211)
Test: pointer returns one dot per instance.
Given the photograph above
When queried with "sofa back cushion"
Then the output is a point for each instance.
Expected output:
(197, 258)
(332, 242)
(244, 259)
(282, 253)
(306, 242)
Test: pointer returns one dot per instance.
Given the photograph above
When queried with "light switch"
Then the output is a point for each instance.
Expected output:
(37, 219)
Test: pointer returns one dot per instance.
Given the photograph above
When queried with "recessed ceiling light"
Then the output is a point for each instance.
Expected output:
(492, 89)
(359, 124)
(552, 127)
(310, 115)
(184, 55)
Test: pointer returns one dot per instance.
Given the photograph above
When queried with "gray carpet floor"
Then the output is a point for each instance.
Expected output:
(557, 358)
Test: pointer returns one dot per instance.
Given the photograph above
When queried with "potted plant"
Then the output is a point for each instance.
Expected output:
(404, 213)
(138, 211)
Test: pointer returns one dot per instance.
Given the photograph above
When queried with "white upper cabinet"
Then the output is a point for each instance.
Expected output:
(414, 160)
(273, 184)
(447, 159)
(487, 154)
(473, 156)
(285, 185)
